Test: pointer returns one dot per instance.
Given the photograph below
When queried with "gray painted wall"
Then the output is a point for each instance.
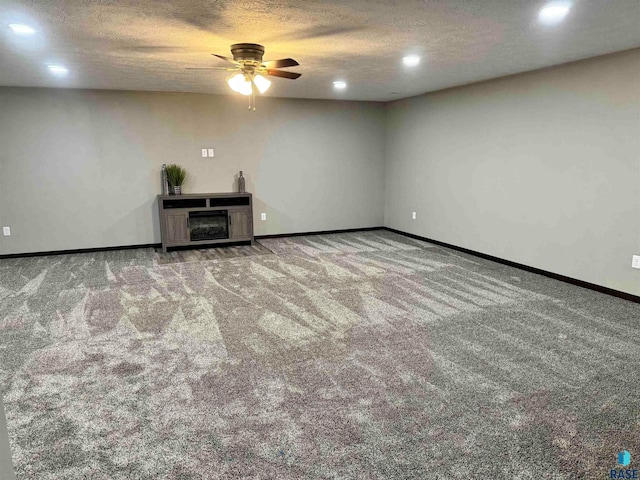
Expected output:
(81, 169)
(541, 169)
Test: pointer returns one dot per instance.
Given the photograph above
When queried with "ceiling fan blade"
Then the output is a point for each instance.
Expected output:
(226, 59)
(283, 74)
(282, 63)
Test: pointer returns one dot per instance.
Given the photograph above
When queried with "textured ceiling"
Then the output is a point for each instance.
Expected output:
(146, 44)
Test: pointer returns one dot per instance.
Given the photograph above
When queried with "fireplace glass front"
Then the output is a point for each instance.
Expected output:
(211, 225)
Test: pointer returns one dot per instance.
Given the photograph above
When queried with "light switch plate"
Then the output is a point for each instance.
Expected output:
(6, 231)
(635, 261)
(204, 153)
(413, 215)
(211, 152)
(263, 216)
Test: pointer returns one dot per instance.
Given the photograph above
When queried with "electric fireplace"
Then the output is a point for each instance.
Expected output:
(209, 225)
(199, 219)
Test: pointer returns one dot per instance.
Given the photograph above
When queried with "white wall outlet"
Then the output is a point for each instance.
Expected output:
(413, 215)
(635, 261)
(6, 231)
(204, 153)
(263, 216)
(211, 152)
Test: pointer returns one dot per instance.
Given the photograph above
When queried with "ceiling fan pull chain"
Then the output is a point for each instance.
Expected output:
(253, 95)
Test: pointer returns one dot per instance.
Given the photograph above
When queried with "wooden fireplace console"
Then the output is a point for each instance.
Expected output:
(205, 219)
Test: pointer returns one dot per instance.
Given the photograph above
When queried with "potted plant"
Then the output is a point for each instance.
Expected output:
(176, 176)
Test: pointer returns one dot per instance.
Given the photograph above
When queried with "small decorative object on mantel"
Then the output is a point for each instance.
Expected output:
(165, 182)
(241, 186)
(176, 176)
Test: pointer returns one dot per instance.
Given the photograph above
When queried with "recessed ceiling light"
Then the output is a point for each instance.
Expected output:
(20, 29)
(339, 85)
(58, 70)
(411, 60)
(554, 12)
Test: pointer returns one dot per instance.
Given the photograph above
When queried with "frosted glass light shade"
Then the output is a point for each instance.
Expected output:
(262, 83)
(239, 83)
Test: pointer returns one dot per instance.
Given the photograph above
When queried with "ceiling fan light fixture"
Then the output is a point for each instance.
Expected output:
(250, 72)
(240, 83)
(261, 83)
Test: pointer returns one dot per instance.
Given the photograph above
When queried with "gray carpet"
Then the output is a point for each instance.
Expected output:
(209, 254)
(348, 356)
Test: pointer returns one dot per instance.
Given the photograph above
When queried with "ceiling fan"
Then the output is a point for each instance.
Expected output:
(251, 70)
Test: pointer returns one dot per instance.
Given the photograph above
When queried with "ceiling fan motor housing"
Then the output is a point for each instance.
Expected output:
(243, 52)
